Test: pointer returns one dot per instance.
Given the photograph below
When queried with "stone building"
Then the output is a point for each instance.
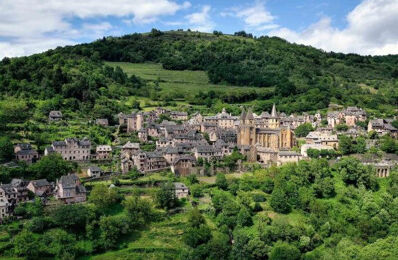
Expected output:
(130, 148)
(179, 115)
(69, 189)
(40, 187)
(222, 120)
(323, 138)
(181, 191)
(145, 162)
(25, 152)
(55, 116)
(72, 149)
(94, 171)
(274, 136)
(184, 166)
(135, 122)
(103, 152)
(208, 152)
(383, 127)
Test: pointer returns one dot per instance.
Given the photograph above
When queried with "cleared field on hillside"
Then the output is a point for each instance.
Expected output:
(177, 82)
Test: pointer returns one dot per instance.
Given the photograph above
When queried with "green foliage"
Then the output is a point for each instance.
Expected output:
(112, 228)
(279, 201)
(388, 144)
(51, 167)
(284, 251)
(221, 181)
(303, 130)
(139, 211)
(165, 197)
(103, 197)
(6, 149)
(355, 173)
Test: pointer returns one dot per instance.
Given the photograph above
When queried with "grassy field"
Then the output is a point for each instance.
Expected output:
(177, 82)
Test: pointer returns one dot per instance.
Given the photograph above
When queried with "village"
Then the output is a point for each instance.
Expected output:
(193, 144)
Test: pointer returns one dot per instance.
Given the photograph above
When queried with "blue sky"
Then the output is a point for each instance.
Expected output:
(358, 26)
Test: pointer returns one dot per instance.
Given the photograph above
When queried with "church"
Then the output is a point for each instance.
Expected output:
(267, 139)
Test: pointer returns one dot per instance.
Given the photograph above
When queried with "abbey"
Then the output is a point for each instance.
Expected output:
(264, 131)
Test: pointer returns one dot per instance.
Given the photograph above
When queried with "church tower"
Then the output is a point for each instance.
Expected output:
(274, 122)
(247, 130)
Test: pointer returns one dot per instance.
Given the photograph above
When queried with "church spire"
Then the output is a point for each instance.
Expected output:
(243, 115)
(273, 113)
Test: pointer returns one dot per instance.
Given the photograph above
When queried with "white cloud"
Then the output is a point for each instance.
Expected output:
(24, 23)
(201, 21)
(255, 17)
(372, 29)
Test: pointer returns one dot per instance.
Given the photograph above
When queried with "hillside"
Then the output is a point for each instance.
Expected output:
(263, 71)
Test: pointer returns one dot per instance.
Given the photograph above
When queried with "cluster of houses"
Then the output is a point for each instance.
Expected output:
(67, 189)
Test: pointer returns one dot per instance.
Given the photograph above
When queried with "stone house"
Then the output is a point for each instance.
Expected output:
(323, 138)
(40, 187)
(70, 190)
(181, 191)
(71, 149)
(149, 161)
(179, 115)
(208, 152)
(130, 148)
(94, 171)
(103, 152)
(288, 157)
(222, 120)
(184, 166)
(135, 122)
(55, 116)
(10, 195)
(143, 135)
(25, 152)
(382, 127)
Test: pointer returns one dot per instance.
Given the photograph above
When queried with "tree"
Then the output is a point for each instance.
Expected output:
(303, 130)
(26, 244)
(139, 211)
(196, 191)
(355, 173)
(112, 228)
(71, 217)
(165, 197)
(244, 218)
(279, 201)
(345, 144)
(51, 167)
(221, 181)
(60, 244)
(341, 127)
(6, 149)
(103, 197)
(360, 145)
(284, 251)
(388, 144)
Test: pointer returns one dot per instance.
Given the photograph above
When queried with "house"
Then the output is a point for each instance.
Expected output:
(130, 148)
(222, 120)
(25, 152)
(40, 187)
(103, 152)
(149, 161)
(287, 156)
(183, 165)
(178, 116)
(323, 138)
(181, 191)
(135, 122)
(4, 209)
(71, 149)
(102, 122)
(94, 171)
(55, 116)
(13, 193)
(70, 190)
(382, 127)
(208, 152)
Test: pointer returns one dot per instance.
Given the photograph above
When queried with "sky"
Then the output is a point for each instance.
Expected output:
(368, 27)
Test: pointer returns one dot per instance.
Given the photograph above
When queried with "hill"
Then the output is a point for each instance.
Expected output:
(262, 70)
